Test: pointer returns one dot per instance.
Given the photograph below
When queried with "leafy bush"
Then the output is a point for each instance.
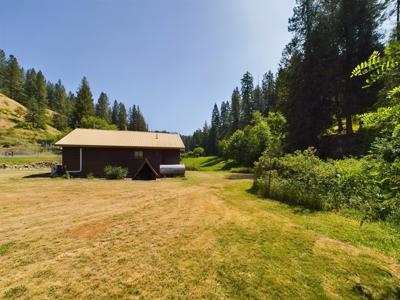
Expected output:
(199, 151)
(96, 122)
(304, 179)
(115, 172)
(246, 146)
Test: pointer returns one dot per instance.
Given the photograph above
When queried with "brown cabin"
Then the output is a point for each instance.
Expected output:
(89, 151)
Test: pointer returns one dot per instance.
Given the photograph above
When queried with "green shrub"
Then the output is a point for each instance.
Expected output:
(302, 178)
(115, 172)
(67, 175)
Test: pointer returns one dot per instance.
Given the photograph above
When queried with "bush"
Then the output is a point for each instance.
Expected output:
(198, 152)
(304, 179)
(114, 172)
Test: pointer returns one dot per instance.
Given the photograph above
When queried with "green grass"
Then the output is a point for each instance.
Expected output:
(318, 255)
(213, 163)
(29, 159)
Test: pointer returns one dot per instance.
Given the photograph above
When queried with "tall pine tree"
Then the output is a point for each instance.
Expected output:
(235, 110)
(247, 99)
(13, 79)
(103, 107)
(84, 103)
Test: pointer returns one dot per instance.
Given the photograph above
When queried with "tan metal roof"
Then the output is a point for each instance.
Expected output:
(112, 138)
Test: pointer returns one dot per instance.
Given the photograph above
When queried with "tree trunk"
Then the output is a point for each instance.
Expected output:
(349, 124)
(340, 123)
(398, 21)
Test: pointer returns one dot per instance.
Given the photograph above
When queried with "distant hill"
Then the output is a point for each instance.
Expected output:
(14, 132)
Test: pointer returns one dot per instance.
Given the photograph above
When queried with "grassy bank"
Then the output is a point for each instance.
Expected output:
(213, 163)
(23, 160)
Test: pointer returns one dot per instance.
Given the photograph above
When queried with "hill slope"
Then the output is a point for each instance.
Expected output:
(13, 133)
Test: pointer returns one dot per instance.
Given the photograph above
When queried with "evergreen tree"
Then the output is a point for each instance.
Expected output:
(132, 125)
(30, 84)
(269, 99)
(225, 119)
(51, 97)
(41, 92)
(61, 106)
(235, 110)
(247, 99)
(13, 79)
(141, 123)
(214, 131)
(115, 113)
(103, 107)
(122, 117)
(84, 103)
(3, 65)
(358, 37)
(257, 99)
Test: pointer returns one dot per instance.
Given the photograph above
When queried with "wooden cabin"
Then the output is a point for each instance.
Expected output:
(89, 151)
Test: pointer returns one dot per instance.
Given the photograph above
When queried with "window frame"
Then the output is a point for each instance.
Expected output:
(138, 154)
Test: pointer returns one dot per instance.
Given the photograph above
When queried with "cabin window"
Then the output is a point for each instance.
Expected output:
(138, 154)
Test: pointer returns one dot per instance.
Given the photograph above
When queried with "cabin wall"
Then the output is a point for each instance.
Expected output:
(94, 160)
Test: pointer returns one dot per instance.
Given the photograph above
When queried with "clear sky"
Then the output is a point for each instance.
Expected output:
(174, 58)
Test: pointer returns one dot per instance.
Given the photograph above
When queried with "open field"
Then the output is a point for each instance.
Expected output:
(205, 236)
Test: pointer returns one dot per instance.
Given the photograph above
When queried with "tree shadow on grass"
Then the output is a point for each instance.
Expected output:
(211, 161)
(40, 175)
(240, 176)
(294, 207)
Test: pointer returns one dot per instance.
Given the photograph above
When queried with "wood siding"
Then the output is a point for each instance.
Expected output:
(94, 160)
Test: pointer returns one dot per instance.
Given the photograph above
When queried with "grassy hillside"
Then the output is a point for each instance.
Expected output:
(213, 163)
(13, 132)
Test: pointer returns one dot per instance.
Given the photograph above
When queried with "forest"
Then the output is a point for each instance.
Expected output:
(72, 110)
(324, 131)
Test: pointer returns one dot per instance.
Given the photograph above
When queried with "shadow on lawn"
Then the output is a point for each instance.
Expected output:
(239, 176)
(40, 175)
(294, 207)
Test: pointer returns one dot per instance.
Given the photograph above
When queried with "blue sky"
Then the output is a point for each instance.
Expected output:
(174, 58)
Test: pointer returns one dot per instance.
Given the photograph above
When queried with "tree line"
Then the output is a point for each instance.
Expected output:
(313, 88)
(72, 110)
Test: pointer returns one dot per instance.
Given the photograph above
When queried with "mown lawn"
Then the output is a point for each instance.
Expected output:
(205, 236)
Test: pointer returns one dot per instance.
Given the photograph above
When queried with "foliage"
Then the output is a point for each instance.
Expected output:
(198, 152)
(304, 179)
(115, 172)
(97, 123)
(246, 146)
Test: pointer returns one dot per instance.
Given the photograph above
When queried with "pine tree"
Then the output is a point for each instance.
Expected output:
(132, 125)
(103, 107)
(115, 113)
(141, 123)
(13, 79)
(358, 36)
(3, 65)
(225, 119)
(122, 117)
(84, 103)
(30, 84)
(214, 131)
(41, 92)
(51, 98)
(235, 110)
(269, 99)
(61, 105)
(257, 99)
(247, 99)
